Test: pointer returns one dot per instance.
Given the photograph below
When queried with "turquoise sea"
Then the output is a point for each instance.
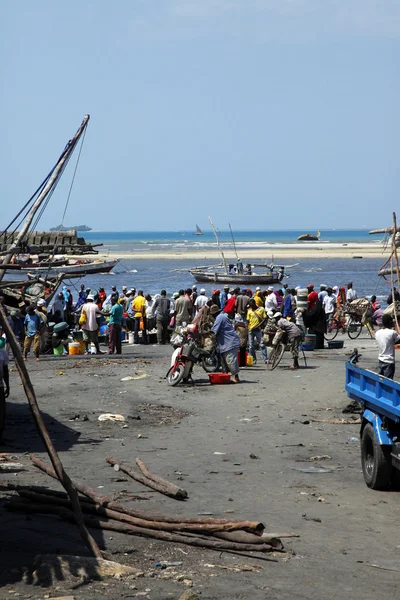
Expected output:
(140, 241)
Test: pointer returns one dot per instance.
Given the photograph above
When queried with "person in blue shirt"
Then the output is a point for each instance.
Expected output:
(32, 325)
(223, 299)
(115, 326)
(288, 305)
(228, 342)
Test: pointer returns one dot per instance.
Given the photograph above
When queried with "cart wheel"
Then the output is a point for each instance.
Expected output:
(375, 460)
(275, 356)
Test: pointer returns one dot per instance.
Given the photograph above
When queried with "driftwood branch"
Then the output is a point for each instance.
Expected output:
(112, 525)
(55, 460)
(149, 479)
(88, 506)
(253, 526)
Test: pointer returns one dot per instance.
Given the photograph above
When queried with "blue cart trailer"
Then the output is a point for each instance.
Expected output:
(380, 428)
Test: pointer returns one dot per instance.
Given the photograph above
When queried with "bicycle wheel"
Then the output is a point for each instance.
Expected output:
(332, 329)
(275, 356)
(354, 329)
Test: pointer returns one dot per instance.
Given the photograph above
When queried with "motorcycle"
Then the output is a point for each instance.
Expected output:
(187, 353)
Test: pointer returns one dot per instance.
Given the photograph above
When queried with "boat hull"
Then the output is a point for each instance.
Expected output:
(256, 279)
(308, 237)
(72, 271)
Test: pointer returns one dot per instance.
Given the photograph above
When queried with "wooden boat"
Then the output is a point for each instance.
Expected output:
(269, 277)
(73, 269)
(235, 274)
(19, 294)
(309, 237)
(198, 231)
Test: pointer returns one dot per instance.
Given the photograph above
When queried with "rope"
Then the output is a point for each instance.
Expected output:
(73, 177)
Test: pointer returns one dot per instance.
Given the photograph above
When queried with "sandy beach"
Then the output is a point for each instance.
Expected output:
(273, 253)
(277, 449)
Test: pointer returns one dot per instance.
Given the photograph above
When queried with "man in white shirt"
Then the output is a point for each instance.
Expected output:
(90, 326)
(201, 300)
(322, 292)
(351, 294)
(329, 302)
(271, 303)
(387, 338)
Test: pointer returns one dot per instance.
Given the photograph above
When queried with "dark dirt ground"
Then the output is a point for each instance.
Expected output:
(345, 530)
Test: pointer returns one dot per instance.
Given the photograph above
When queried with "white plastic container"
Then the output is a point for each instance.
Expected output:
(131, 337)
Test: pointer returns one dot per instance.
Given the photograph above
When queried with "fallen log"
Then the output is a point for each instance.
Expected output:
(154, 482)
(160, 480)
(64, 513)
(253, 526)
(88, 506)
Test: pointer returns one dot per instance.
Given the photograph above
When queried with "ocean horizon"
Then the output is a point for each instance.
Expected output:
(137, 241)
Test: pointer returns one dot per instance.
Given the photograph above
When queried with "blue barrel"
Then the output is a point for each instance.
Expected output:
(309, 342)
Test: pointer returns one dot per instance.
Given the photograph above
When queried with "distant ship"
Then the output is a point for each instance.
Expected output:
(198, 231)
(309, 237)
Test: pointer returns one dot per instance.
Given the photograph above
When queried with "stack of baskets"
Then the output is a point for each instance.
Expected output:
(302, 294)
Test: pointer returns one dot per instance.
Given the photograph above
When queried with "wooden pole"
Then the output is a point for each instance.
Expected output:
(254, 526)
(162, 486)
(55, 460)
(179, 538)
(174, 489)
(397, 269)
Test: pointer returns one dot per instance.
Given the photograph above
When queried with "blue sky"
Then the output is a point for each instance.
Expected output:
(261, 113)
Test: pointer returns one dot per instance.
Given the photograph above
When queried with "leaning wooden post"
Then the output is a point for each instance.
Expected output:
(55, 460)
(397, 269)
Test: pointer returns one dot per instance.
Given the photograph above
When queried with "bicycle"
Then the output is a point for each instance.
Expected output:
(353, 327)
(279, 345)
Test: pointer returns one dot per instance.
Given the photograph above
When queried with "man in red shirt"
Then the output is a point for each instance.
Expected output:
(229, 307)
(312, 296)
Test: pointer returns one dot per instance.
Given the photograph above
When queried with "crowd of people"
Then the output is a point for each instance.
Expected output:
(242, 321)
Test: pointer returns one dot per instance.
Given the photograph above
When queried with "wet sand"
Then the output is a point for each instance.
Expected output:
(275, 252)
(344, 527)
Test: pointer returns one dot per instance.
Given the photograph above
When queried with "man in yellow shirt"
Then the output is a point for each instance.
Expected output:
(139, 312)
(255, 318)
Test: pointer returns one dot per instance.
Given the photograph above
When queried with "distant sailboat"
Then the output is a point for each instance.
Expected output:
(198, 231)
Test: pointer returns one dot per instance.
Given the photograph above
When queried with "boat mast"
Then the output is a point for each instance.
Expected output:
(233, 241)
(393, 259)
(218, 244)
(56, 174)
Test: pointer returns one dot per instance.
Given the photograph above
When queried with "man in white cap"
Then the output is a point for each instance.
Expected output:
(294, 336)
(201, 300)
(271, 302)
(89, 326)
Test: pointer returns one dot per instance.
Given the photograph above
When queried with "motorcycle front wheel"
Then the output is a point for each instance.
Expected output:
(175, 375)
(211, 363)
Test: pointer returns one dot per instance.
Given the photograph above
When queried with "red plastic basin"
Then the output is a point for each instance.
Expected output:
(218, 378)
